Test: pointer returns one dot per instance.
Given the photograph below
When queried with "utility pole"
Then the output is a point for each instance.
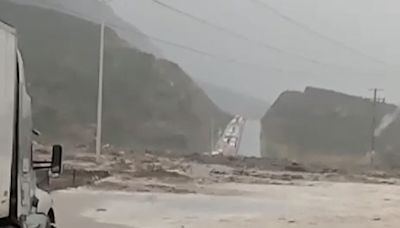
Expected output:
(100, 88)
(100, 94)
(373, 137)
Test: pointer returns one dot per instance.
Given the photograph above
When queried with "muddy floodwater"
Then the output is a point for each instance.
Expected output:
(317, 205)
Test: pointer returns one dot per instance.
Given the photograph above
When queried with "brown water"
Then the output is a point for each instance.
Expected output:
(328, 205)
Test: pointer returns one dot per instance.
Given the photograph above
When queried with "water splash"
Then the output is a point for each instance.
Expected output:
(386, 121)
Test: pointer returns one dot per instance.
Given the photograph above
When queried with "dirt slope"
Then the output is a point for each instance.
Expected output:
(326, 126)
(148, 102)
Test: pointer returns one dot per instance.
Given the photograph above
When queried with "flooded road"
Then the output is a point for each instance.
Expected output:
(320, 204)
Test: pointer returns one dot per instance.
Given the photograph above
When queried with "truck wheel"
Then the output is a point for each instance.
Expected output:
(48, 225)
(51, 222)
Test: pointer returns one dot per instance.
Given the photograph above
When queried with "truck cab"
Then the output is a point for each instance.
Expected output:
(22, 203)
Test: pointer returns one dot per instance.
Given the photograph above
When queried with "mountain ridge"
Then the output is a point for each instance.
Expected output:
(235, 102)
(326, 126)
(149, 103)
(98, 12)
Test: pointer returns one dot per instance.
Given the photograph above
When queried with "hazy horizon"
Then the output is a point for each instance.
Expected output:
(367, 29)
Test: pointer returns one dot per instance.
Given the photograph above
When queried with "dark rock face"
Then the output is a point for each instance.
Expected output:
(326, 126)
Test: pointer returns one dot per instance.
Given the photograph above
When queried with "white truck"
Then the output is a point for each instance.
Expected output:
(22, 203)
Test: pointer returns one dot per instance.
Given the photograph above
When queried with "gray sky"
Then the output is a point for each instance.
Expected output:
(370, 26)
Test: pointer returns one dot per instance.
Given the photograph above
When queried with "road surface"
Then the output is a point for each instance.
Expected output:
(328, 205)
(250, 145)
(229, 143)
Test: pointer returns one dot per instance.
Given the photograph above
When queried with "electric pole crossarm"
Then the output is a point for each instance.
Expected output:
(373, 126)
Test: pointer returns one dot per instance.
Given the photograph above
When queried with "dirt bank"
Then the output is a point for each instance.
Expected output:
(175, 173)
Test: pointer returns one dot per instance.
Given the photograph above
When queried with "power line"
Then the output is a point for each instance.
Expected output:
(247, 39)
(208, 54)
(226, 59)
(187, 48)
(223, 29)
(216, 56)
(316, 33)
(180, 46)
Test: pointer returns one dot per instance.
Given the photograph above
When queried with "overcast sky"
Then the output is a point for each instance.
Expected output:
(369, 30)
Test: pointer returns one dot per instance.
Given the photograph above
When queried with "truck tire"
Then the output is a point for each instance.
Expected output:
(51, 222)
(48, 225)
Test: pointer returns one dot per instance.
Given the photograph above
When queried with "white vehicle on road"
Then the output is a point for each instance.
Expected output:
(233, 142)
(22, 204)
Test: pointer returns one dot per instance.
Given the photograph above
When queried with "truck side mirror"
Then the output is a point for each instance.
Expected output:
(56, 160)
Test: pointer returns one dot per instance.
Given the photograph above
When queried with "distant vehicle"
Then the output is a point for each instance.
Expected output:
(238, 119)
(233, 142)
(22, 204)
(217, 152)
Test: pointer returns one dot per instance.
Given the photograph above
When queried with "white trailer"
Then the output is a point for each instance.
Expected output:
(22, 204)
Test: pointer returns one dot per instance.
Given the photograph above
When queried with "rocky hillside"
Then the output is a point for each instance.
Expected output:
(326, 126)
(148, 102)
(234, 102)
(97, 11)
